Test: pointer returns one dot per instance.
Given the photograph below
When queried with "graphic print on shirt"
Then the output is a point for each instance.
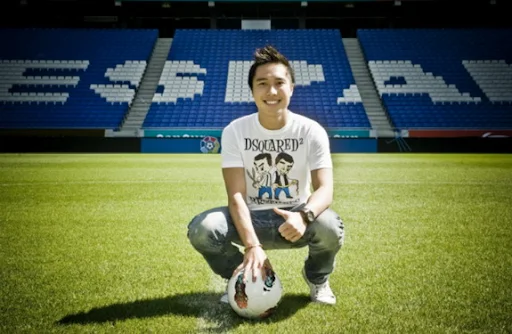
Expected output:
(284, 163)
(261, 175)
(269, 174)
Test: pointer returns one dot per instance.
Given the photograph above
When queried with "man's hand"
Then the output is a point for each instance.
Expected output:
(255, 262)
(293, 227)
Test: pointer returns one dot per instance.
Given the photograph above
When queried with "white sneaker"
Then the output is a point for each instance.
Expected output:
(320, 293)
(224, 298)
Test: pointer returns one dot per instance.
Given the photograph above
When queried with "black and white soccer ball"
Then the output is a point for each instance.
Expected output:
(255, 300)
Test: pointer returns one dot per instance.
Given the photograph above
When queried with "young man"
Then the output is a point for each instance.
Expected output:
(295, 216)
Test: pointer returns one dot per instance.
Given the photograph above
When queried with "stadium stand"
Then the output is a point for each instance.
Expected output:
(70, 78)
(442, 78)
(204, 81)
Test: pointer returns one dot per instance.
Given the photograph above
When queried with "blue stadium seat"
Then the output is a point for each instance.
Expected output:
(70, 78)
(204, 81)
(442, 78)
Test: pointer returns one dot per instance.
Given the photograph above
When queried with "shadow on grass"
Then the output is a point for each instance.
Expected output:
(204, 304)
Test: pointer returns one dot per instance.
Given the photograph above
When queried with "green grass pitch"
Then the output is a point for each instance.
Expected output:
(97, 244)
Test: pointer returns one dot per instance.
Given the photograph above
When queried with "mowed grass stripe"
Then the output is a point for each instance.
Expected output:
(465, 183)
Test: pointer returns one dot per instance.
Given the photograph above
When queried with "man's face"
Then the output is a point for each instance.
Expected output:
(284, 167)
(272, 88)
(261, 165)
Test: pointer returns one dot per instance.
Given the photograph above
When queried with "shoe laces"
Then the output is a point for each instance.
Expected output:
(323, 289)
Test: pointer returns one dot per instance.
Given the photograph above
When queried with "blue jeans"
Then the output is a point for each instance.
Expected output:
(212, 233)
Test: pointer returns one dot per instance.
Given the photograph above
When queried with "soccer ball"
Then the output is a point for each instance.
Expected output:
(210, 145)
(254, 300)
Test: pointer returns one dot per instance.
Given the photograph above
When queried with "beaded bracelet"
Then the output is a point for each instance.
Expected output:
(249, 247)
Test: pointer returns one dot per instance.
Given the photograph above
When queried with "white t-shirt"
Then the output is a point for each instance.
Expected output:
(277, 163)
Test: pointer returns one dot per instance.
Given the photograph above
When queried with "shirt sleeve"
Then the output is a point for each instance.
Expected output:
(230, 152)
(319, 155)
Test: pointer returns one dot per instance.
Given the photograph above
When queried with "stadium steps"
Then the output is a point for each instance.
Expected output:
(148, 87)
(369, 96)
